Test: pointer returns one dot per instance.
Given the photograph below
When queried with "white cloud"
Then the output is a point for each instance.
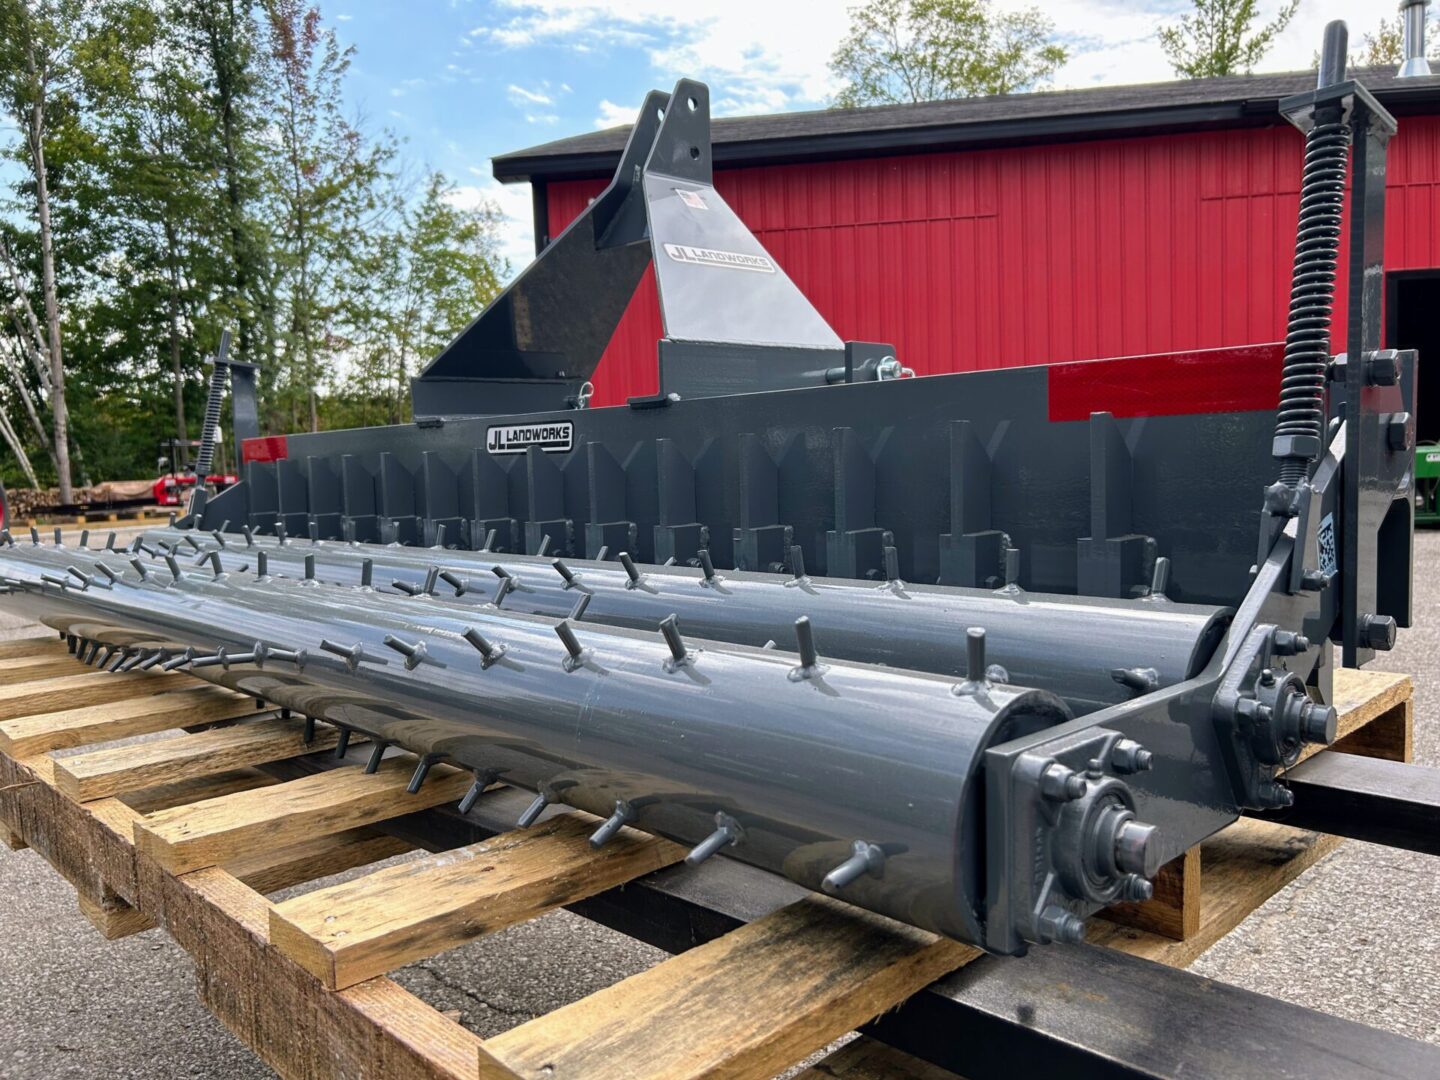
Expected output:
(520, 95)
(343, 18)
(612, 115)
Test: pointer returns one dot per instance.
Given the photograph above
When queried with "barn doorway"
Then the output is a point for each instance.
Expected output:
(1412, 321)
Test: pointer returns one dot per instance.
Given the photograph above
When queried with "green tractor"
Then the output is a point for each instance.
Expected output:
(1427, 484)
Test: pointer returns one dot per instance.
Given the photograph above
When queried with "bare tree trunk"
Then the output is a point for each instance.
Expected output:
(182, 429)
(47, 284)
(22, 306)
(16, 367)
(17, 449)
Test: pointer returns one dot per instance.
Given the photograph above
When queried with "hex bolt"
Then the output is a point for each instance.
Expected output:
(727, 833)
(1377, 632)
(632, 573)
(670, 631)
(1272, 796)
(531, 813)
(1315, 580)
(1136, 888)
(865, 858)
(1057, 924)
(1289, 643)
(490, 652)
(576, 652)
(707, 566)
(1316, 722)
(414, 653)
(1062, 784)
(455, 581)
(1136, 851)
(1130, 757)
(623, 815)
(1382, 368)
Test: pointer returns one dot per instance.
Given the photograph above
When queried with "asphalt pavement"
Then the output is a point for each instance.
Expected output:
(1354, 936)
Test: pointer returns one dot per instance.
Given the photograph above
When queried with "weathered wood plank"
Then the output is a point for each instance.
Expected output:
(271, 871)
(1361, 696)
(88, 688)
(11, 839)
(114, 919)
(1391, 735)
(1245, 864)
(749, 1003)
(1174, 911)
(355, 930)
(49, 645)
(45, 730)
(117, 769)
(21, 669)
(214, 831)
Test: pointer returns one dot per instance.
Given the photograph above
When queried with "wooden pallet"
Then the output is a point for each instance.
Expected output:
(186, 834)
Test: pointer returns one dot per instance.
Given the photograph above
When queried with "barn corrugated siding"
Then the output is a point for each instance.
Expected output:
(1040, 254)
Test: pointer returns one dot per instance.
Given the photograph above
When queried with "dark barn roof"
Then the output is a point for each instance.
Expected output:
(970, 122)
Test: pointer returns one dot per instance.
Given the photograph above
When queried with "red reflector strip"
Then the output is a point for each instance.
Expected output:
(1243, 379)
(265, 448)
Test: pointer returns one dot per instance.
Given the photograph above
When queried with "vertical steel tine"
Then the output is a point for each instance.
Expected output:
(249, 535)
(224, 526)
(376, 753)
(797, 564)
(59, 537)
(140, 569)
(110, 541)
(578, 611)
(174, 566)
(1160, 579)
(307, 734)
(367, 574)
(632, 572)
(440, 536)
(219, 537)
(194, 544)
(975, 654)
(342, 744)
(544, 548)
(6, 538)
(84, 538)
(670, 631)
(310, 566)
(172, 519)
(477, 789)
(623, 815)
(707, 565)
(489, 651)
(215, 563)
(314, 531)
(280, 533)
(34, 536)
(810, 667)
(892, 563)
(489, 541)
(431, 575)
(603, 553)
(262, 564)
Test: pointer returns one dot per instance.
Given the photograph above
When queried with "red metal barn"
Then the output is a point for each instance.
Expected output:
(1036, 228)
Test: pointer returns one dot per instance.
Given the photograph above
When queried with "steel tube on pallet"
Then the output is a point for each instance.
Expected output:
(1091, 651)
(850, 777)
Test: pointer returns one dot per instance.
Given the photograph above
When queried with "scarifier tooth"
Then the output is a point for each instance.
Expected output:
(104, 657)
(544, 548)
(56, 580)
(178, 661)
(367, 573)
(314, 532)
(6, 538)
(414, 653)
(219, 537)
(797, 566)
(157, 657)
(72, 643)
(59, 537)
(603, 553)
(476, 790)
(422, 770)
(310, 567)
(576, 652)
(280, 533)
(342, 744)
(727, 833)
(892, 563)
(455, 581)
(623, 815)
(632, 572)
(532, 812)
(84, 538)
(975, 654)
(110, 541)
(224, 528)
(377, 751)
(490, 652)
(439, 536)
(578, 611)
(351, 654)
(707, 565)
(34, 536)
(866, 859)
(140, 569)
(431, 575)
(215, 563)
(249, 535)
(489, 541)
(262, 564)
(194, 544)
(307, 735)
(566, 574)
(110, 575)
(174, 566)
(507, 583)
(670, 631)
(805, 644)
(135, 661)
(114, 665)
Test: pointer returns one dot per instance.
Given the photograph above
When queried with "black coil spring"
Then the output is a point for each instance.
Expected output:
(1312, 291)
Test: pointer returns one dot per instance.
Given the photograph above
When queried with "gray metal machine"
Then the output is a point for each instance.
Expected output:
(977, 651)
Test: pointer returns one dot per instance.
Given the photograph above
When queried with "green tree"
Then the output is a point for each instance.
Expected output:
(899, 51)
(1220, 38)
(421, 282)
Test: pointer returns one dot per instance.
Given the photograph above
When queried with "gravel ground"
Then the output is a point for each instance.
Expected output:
(77, 1006)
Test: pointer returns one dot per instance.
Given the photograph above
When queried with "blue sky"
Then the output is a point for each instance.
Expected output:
(463, 80)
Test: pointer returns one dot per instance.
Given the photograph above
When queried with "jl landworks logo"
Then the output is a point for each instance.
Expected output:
(554, 438)
(727, 260)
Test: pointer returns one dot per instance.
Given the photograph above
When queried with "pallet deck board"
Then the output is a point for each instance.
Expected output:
(86, 724)
(46, 665)
(49, 645)
(747, 1003)
(349, 932)
(86, 688)
(214, 831)
(116, 770)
